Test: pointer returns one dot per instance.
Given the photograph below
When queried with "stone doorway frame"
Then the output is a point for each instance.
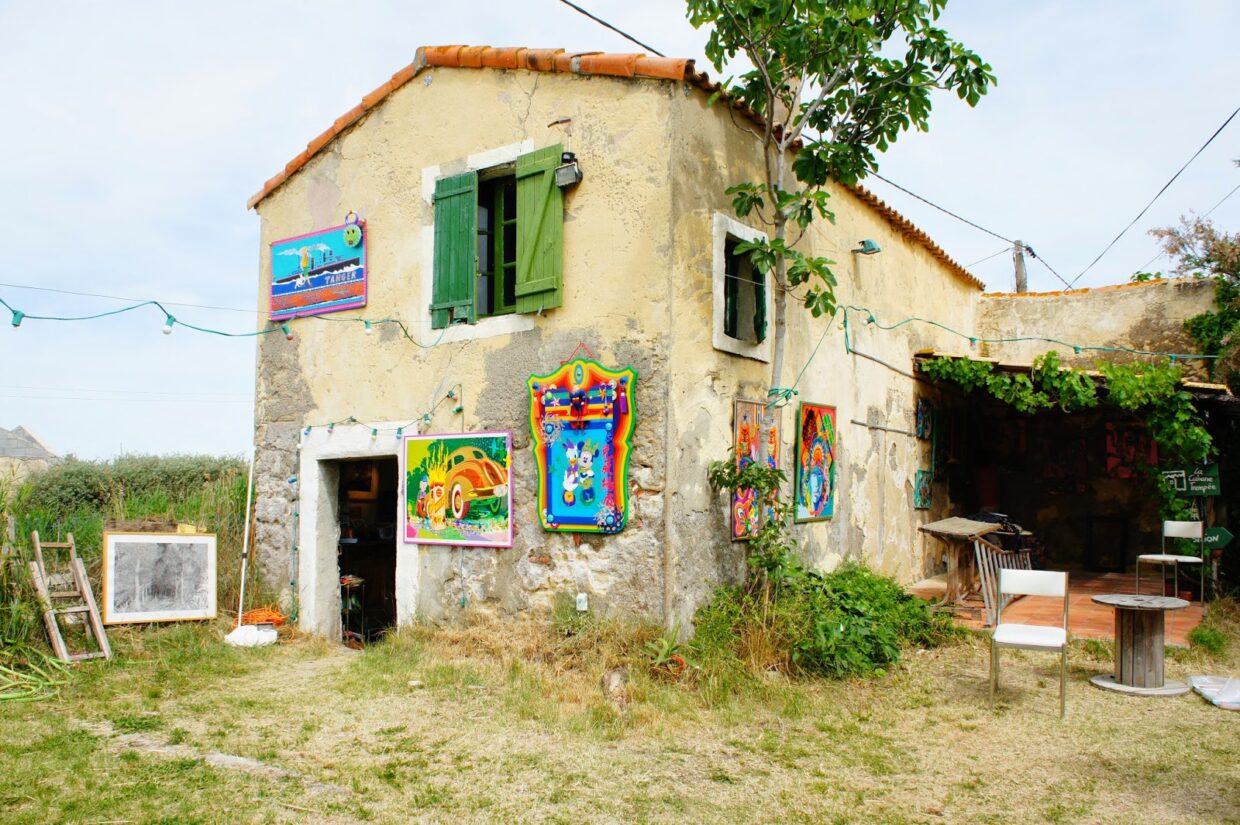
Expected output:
(318, 533)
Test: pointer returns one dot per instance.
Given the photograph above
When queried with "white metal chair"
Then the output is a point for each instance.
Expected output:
(1028, 636)
(1176, 530)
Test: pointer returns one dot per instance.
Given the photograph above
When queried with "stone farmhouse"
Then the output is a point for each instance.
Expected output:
(497, 272)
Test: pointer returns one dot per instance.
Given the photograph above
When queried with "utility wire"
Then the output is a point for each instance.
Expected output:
(1160, 192)
(988, 257)
(1146, 264)
(620, 32)
(130, 300)
(1028, 248)
(941, 209)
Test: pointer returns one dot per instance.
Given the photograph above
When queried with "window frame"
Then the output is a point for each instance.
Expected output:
(724, 227)
(492, 325)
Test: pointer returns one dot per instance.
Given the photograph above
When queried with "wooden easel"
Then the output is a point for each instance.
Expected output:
(73, 588)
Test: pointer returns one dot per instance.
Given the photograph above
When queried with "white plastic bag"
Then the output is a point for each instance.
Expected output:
(249, 635)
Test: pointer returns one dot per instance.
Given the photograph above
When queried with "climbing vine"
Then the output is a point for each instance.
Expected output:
(1149, 390)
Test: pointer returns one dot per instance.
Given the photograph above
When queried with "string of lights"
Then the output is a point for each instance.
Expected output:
(456, 393)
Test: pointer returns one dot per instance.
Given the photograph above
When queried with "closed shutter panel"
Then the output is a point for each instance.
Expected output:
(456, 250)
(731, 289)
(540, 231)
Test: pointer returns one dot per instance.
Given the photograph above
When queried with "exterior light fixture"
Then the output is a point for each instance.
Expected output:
(168, 322)
(868, 247)
(568, 173)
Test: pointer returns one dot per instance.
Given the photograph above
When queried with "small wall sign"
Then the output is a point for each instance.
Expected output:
(323, 271)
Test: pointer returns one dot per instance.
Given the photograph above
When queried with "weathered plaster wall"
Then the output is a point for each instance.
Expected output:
(617, 252)
(874, 516)
(1147, 316)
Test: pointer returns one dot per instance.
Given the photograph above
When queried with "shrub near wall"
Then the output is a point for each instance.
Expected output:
(79, 497)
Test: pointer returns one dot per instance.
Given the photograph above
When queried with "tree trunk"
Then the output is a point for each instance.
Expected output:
(779, 286)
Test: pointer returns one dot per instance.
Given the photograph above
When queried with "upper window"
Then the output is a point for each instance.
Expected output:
(742, 301)
(744, 296)
(499, 236)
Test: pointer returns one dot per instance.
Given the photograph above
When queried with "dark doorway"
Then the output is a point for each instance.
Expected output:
(367, 550)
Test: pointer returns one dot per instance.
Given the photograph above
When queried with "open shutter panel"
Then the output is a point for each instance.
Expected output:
(759, 304)
(456, 250)
(540, 231)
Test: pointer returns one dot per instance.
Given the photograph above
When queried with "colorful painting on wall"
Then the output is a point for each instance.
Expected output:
(921, 490)
(457, 489)
(755, 436)
(924, 419)
(581, 420)
(815, 469)
(323, 271)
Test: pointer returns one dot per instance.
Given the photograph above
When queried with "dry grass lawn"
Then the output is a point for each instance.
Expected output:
(499, 723)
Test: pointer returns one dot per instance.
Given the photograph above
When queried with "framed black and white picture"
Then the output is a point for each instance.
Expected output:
(158, 577)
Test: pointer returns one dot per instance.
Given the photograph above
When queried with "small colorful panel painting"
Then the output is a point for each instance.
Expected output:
(925, 419)
(815, 469)
(581, 419)
(921, 490)
(457, 489)
(755, 436)
(323, 271)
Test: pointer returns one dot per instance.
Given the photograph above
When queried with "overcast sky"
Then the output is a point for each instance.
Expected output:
(134, 132)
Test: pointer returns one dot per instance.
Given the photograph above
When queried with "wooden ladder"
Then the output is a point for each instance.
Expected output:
(72, 588)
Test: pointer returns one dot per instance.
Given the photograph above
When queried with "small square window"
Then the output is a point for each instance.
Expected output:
(741, 292)
(744, 295)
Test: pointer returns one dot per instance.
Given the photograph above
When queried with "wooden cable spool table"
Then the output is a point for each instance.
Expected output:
(1139, 645)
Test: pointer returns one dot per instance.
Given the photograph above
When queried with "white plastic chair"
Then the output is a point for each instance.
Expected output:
(1028, 636)
(1176, 530)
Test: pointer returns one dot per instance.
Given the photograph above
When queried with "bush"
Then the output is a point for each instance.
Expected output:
(79, 497)
(1210, 639)
(851, 622)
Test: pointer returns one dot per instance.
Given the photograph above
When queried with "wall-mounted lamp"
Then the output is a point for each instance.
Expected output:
(868, 247)
(568, 173)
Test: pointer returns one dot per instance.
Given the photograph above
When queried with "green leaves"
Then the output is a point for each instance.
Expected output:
(1150, 390)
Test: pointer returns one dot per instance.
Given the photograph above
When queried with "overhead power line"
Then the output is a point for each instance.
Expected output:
(942, 209)
(1166, 185)
(130, 300)
(946, 211)
(988, 257)
(620, 32)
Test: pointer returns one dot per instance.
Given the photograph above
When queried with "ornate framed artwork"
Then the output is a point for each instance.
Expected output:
(755, 437)
(815, 463)
(581, 419)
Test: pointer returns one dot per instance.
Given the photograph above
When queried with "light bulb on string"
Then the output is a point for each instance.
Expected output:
(18, 315)
(288, 332)
(168, 322)
(368, 327)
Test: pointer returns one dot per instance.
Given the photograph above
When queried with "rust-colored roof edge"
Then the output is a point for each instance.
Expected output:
(907, 228)
(1084, 290)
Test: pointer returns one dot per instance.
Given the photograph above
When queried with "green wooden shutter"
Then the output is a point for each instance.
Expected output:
(731, 289)
(456, 250)
(759, 305)
(540, 231)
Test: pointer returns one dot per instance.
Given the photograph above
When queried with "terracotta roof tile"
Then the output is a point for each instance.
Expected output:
(587, 63)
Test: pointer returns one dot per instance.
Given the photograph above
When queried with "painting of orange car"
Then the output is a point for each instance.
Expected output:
(475, 480)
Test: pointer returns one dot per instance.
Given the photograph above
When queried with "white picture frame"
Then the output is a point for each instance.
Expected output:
(158, 577)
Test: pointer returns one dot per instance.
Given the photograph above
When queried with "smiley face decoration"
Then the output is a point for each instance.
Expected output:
(581, 420)
(352, 230)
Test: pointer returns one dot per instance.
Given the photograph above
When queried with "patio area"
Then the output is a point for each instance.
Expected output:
(1086, 619)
